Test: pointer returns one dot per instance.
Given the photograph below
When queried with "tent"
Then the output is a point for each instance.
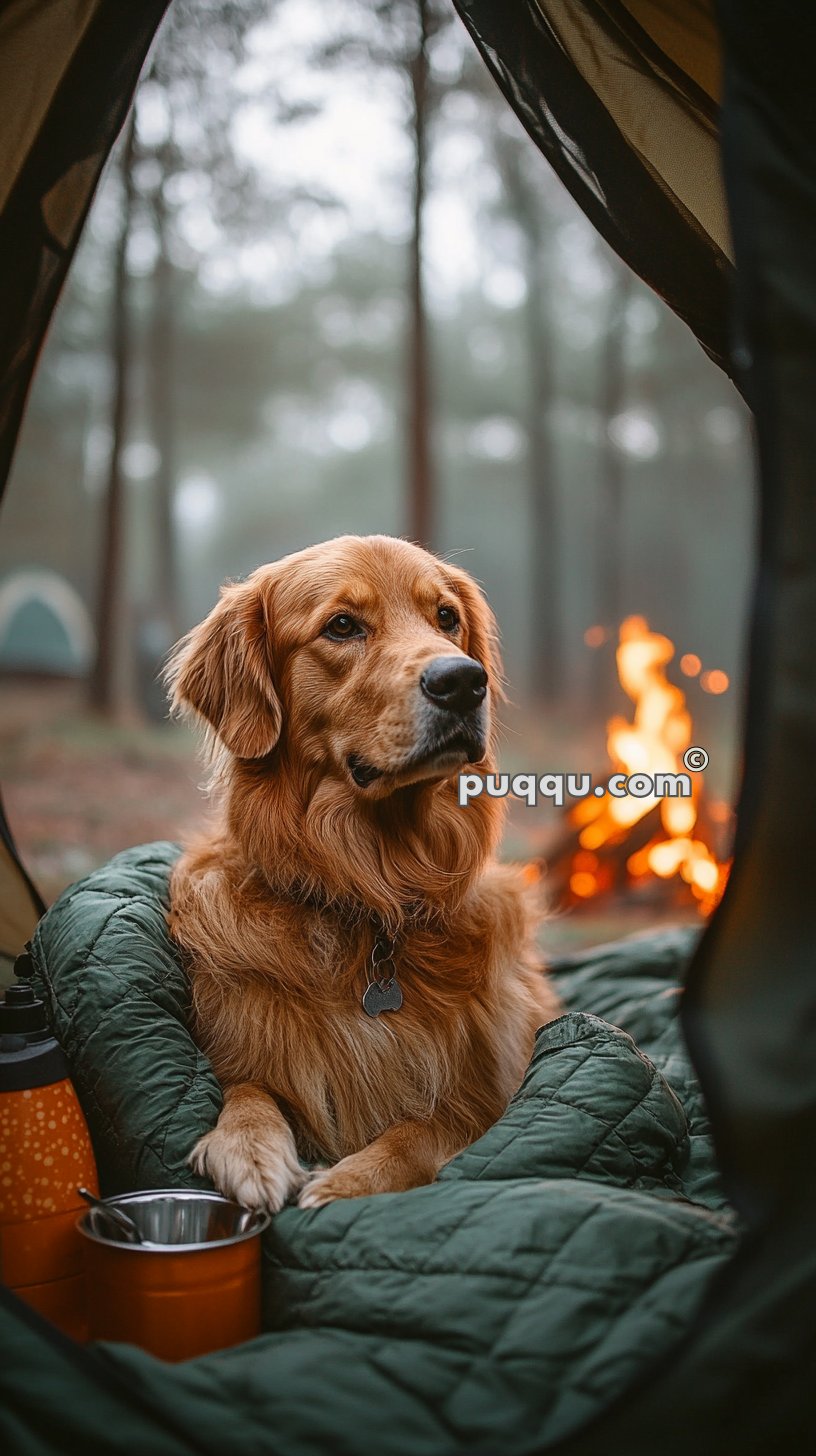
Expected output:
(686, 132)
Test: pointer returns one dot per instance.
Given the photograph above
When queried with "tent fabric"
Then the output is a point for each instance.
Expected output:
(68, 69)
(750, 1013)
(622, 99)
(498, 1309)
(20, 903)
(67, 75)
(749, 1010)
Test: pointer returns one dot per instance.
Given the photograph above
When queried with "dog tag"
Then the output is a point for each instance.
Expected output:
(382, 996)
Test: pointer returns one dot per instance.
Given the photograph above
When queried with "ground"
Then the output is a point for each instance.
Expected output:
(78, 789)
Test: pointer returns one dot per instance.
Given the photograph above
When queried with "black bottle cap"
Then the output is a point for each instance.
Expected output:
(29, 1054)
(22, 1013)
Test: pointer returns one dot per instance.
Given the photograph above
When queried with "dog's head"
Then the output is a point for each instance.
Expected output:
(365, 659)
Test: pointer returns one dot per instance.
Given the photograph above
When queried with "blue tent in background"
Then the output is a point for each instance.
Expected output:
(44, 626)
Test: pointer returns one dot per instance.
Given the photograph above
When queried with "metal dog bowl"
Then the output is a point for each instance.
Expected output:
(175, 1220)
(196, 1285)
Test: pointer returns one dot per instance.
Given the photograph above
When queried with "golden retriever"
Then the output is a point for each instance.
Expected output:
(345, 688)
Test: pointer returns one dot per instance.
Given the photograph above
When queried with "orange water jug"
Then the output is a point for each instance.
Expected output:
(45, 1153)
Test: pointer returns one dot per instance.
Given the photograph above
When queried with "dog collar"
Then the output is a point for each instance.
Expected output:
(383, 992)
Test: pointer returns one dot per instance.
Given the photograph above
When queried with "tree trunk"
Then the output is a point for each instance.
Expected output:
(546, 660)
(162, 383)
(419, 448)
(610, 536)
(546, 655)
(108, 683)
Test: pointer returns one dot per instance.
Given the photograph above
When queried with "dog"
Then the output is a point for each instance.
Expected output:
(364, 975)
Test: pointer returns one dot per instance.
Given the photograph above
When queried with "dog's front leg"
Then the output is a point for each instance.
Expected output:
(404, 1156)
(250, 1153)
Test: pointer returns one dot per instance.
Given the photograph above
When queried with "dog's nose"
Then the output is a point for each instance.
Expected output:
(456, 683)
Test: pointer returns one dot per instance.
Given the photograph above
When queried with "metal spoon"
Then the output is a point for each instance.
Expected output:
(114, 1215)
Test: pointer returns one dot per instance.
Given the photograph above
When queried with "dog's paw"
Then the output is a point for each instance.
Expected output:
(353, 1177)
(258, 1169)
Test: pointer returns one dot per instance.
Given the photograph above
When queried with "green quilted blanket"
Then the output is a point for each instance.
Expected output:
(497, 1311)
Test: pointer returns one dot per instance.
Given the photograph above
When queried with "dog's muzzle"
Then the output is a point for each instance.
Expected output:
(453, 723)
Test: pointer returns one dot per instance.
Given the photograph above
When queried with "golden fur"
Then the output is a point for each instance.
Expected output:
(276, 910)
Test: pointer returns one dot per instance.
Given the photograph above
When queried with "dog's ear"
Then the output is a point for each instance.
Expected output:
(482, 630)
(222, 670)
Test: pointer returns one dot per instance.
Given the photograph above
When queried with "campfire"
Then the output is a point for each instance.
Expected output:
(639, 844)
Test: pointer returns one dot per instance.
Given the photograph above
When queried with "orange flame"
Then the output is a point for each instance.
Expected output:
(652, 743)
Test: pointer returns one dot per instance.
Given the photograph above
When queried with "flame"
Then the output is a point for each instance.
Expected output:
(652, 743)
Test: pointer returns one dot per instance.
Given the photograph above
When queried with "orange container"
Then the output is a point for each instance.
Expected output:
(192, 1286)
(45, 1151)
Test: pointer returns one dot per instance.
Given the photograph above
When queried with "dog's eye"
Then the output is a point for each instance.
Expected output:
(447, 618)
(342, 628)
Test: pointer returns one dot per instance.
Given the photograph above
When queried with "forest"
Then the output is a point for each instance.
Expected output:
(328, 284)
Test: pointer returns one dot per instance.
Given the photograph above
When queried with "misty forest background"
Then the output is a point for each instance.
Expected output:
(328, 284)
